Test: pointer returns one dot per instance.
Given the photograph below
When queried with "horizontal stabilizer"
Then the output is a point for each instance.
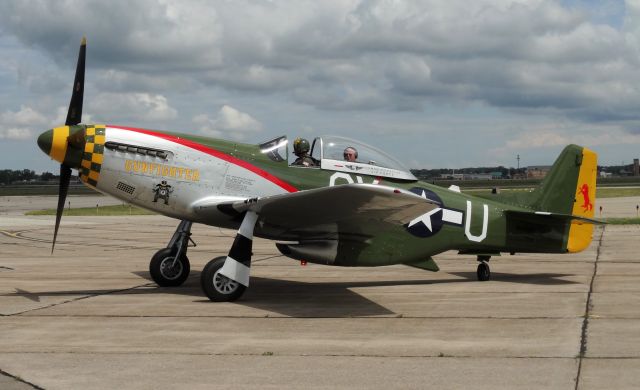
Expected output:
(541, 215)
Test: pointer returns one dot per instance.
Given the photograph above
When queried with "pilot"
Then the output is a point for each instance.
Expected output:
(301, 150)
(350, 154)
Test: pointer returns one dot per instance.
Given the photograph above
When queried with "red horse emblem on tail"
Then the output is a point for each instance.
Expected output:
(584, 190)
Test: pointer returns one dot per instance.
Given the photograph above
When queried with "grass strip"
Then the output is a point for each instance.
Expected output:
(622, 221)
(96, 211)
(605, 192)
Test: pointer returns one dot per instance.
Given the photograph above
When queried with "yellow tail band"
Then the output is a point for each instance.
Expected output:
(580, 233)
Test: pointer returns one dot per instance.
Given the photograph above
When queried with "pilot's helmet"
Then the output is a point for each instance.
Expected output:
(300, 146)
(164, 182)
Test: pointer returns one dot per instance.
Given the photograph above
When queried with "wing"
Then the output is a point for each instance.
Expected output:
(344, 212)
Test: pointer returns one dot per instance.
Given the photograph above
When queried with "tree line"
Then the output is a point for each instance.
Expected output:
(11, 176)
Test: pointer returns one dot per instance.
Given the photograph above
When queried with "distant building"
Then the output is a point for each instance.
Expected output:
(477, 176)
(636, 167)
(452, 176)
(604, 174)
(537, 171)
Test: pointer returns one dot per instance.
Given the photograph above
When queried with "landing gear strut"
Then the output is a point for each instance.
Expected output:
(170, 266)
(225, 278)
(484, 272)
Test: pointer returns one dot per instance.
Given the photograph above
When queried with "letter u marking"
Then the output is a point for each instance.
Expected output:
(485, 223)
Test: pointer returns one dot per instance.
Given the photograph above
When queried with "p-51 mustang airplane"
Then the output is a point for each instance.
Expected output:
(370, 212)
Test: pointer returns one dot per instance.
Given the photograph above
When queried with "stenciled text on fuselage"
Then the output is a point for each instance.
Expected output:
(148, 168)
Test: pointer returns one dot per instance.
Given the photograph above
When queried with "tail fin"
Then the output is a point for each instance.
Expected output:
(570, 188)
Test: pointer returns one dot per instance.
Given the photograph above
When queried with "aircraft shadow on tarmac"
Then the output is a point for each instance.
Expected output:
(304, 299)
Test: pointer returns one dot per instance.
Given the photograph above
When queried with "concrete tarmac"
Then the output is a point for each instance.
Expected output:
(88, 316)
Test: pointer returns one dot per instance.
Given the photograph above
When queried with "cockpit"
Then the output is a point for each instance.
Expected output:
(341, 154)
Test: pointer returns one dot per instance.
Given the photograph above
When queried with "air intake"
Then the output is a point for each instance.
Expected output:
(125, 188)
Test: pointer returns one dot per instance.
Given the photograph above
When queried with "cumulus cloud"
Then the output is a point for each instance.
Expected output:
(16, 134)
(25, 116)
(228, 122)
(357, 54)
(131, 106)
(532, 59)
(20, 125)
(558, 135)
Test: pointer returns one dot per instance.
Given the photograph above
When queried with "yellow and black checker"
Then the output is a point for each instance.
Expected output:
(93, 155)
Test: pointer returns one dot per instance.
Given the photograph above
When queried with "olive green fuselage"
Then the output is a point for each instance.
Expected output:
(396, 245)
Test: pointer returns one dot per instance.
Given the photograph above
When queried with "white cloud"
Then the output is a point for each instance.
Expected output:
(377, 68)
(356, 55)
(22, 124)
(16, 134)
(557, 134)
(26, 116)
(131, 106)
(229, 122)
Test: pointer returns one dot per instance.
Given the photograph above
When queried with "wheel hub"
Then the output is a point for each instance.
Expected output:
(223, 284)
(169, 269)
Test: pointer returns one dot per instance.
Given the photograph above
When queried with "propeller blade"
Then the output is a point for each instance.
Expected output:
(74, 115)
(65, 178)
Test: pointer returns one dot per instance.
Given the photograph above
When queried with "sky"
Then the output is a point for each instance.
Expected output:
(437, 84)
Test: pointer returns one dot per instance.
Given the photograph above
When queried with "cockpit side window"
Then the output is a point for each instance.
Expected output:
(275, 149)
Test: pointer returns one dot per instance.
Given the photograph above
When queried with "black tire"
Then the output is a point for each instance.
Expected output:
(216, 287)
(484, 273)
(162, 272)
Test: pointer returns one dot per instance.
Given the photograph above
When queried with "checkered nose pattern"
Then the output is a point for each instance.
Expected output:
(93, 155)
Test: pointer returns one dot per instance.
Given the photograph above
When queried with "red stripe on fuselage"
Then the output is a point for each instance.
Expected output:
(216, 153)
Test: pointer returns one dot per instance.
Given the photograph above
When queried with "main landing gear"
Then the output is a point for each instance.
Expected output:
(225, 278)
(218, 287)
(170, 266)
(484, 273)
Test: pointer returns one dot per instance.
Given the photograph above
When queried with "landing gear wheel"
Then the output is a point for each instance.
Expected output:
(217, 287)
(484, 273)
(165, 272)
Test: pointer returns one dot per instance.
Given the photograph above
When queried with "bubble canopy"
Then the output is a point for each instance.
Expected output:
(330, 149)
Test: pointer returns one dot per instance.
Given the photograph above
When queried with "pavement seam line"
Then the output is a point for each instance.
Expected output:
(276, 354)
(3, 372)
(585, 322)
(79, 299)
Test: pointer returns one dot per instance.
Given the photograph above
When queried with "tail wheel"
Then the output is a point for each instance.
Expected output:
(167, 272)
(484, 273)
(217, 287)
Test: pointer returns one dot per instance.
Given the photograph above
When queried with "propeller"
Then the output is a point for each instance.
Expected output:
(76, 140)
(65, 178)
(74, 115)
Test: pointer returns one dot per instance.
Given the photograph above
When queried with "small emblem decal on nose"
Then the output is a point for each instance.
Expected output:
(162, 191)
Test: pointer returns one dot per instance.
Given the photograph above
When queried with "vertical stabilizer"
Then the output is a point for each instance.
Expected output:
(580, 234)
(570, 188)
